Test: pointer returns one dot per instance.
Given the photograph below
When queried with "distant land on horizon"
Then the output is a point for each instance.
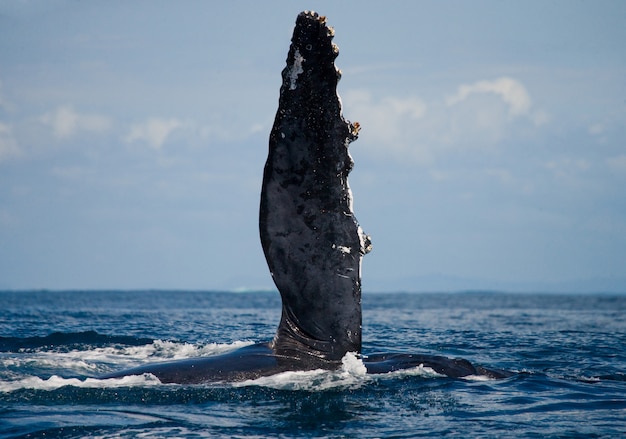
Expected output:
(450, 283)
(446, 283)
(434, 283)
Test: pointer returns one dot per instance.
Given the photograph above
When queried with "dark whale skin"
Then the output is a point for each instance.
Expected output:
(312, 242)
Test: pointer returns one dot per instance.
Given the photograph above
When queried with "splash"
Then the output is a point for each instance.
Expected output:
(352, 374)
(24, 370)
(56, 382)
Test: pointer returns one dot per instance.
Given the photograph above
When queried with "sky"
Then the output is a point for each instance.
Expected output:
(492, 152)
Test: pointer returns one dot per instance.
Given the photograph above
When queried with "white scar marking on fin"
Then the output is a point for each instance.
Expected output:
(295, 69)
(366, 242)
(343, 248)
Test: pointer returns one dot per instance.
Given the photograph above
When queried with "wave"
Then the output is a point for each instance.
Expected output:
(68, 339)
(56, 382)
(72, 359)
(91, 342)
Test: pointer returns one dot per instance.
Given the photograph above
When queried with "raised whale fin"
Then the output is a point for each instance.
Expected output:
(310, 237)
(312, 242)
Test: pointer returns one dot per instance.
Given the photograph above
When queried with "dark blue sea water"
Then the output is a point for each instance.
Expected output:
(568, 353)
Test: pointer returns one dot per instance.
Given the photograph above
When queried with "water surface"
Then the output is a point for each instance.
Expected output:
(568, 352)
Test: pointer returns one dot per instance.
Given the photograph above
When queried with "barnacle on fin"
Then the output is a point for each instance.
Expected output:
(355, 127)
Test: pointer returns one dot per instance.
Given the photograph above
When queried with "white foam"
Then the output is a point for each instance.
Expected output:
(168, 350)
(589, 379)
(353, 365)
(352, 374)
(55, 382)
(87, 359)
(477, 378)
(20, 366)
(50, 360)
(420, 371)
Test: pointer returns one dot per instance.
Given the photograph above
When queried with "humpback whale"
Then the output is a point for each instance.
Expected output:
(311, 239)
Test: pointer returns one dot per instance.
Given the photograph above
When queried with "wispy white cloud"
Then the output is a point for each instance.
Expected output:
(596, 129)
(389, 124)
(70, 172)
(568, 170)
(4, 103)
(154, 131)
(65, 122)
(512, 92)
(6, 218)
(617, 163)
(410, 130)
(600, 131)
(8, 143)
(568, 163)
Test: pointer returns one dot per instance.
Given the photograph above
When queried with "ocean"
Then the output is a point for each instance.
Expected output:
(567, 352)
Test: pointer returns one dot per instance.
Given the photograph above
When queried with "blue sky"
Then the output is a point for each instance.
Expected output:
(492, 152)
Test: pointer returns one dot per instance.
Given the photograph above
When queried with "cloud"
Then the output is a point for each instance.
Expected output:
(568, 170)
(6, 105)
(511, 91)
(596, 129)
(70, 172)
(568, 163)
(479, 117)
(617, 163)
(389, 124)
(66, 122)
(154, 131)
(8, 144)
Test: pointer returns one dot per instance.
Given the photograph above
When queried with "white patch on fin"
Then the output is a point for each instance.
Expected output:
(366, 241)
(295, 69)
(343, 248)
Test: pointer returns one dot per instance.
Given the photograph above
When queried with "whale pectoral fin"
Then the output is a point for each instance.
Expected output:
(450, 367)
(311, 240)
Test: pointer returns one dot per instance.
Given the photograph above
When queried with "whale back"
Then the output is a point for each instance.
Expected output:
(312, 242)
